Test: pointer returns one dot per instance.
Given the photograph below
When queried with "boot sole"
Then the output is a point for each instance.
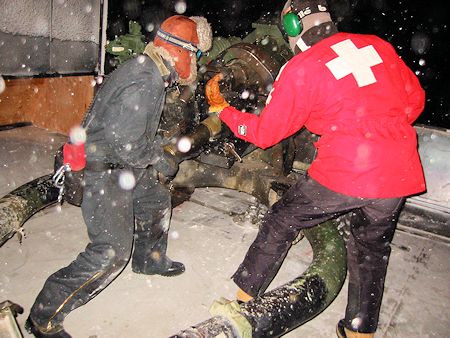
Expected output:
(158, 273)
(31, 328)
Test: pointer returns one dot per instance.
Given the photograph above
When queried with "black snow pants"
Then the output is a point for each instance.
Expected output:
(113, 216)
(307, 204)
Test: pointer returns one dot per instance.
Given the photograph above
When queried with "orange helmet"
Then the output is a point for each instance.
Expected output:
(184, 37)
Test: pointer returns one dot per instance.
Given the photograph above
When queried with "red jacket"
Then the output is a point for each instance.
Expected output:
(359, 96)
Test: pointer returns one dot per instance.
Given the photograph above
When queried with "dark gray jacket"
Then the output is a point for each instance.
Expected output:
(125, 115)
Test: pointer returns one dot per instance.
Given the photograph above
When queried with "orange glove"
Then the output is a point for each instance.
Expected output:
(215, 99)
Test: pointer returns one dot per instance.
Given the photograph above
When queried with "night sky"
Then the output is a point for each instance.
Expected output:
(417, 29)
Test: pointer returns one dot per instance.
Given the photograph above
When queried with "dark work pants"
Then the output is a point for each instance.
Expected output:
(307, 204)
(110, 213)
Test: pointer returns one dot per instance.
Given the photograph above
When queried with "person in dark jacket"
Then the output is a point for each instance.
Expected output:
(357, 94)
(123, 201)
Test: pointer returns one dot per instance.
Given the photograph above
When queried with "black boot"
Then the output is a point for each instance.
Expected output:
(340, 329)
(175, 269)
(169, 269)
(56, 332)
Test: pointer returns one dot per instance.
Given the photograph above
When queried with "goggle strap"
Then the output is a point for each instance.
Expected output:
(176, 41)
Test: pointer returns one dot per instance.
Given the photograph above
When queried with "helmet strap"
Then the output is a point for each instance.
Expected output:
(302, 45)
(316, 27)
(319, 32)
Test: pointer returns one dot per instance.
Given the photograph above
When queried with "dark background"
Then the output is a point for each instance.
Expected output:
(417, 29)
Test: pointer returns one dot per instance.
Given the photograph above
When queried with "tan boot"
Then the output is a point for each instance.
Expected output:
(343, 332)
(242, 296)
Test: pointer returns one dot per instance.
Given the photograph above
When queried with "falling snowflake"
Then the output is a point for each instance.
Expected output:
(184, 144)
(77, 135)
(180, 7)
(2, 84)
(127, 180)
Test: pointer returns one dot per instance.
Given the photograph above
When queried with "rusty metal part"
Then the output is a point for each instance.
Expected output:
(252, 176)
(230, 149)
(207, 129)
(8, 323)
(213, 124)
(248, 63)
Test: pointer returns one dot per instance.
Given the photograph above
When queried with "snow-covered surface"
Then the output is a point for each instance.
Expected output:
(210, 234)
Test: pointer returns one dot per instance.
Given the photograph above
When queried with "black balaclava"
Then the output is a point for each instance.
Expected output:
(316, 20)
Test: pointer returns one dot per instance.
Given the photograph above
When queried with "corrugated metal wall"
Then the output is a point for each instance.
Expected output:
(49, 36)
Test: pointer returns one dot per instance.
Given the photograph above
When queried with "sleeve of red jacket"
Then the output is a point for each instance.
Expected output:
(283, 115)
(415, 93)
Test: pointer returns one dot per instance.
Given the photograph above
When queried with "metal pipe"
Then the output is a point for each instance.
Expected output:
(207, 129)
(103, 38)
(23, 202)
(283, 309)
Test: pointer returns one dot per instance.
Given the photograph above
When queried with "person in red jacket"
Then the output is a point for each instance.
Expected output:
(357, 94)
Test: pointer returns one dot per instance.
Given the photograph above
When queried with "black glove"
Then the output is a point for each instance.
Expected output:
(167, 165)
(193, 153)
